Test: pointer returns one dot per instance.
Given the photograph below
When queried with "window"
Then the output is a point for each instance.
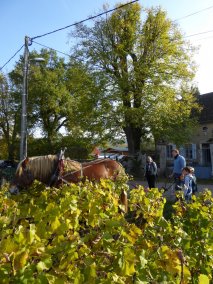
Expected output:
(169, 149)
(206, 155)
(188, 151)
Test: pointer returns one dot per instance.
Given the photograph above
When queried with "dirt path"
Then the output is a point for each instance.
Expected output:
(170, 193)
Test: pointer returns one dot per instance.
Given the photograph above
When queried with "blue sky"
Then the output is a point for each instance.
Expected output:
(27, 17)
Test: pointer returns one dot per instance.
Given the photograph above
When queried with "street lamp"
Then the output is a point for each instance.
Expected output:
(23, 141)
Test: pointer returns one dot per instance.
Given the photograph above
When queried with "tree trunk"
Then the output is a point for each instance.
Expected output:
(133, 136)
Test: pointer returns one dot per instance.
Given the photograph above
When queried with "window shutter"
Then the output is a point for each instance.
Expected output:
(194, 151)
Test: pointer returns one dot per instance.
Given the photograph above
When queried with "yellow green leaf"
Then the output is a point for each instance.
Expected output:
(93, 270)
(20, 259)
(44, 265)
(203, 279)
(32, 232)
(55, 224)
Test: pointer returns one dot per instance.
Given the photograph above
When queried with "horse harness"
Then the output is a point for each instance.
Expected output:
(61, 176)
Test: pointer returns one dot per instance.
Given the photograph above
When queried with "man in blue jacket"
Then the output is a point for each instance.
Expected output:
(179, 164)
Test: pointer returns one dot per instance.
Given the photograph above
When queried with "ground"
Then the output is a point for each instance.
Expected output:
(170, 192)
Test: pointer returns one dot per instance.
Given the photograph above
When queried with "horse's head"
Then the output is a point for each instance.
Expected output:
(23, 176)
(40, 168)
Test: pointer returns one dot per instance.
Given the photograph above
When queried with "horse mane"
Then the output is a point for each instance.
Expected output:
(41, 167)
(71, 165)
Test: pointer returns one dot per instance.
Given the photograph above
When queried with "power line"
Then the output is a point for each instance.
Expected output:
(204, 38)
(51, 48)
(192, 14)
(93, 17)
(87, 19)
(12, 57)
(201, 33)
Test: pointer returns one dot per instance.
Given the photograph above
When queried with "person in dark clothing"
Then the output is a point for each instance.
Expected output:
(151, 172)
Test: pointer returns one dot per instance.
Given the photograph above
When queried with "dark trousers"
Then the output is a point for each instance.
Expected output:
(151, 179)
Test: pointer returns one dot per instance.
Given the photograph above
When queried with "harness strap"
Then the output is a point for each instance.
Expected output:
(59, 169)
(82, 169)
(65, 181)
(82, 174)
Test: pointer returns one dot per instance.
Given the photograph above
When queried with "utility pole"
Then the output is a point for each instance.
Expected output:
(23, 142)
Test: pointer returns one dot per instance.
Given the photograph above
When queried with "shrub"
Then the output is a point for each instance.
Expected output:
(78, 234)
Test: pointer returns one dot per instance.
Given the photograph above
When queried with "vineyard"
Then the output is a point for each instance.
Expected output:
(80, 234)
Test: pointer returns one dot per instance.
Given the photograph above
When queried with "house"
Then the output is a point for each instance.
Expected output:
(198, 153)
(115, 153)
(117, 150)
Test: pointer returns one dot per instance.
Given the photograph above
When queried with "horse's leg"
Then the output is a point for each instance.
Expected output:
(112, 173)
(124, 200)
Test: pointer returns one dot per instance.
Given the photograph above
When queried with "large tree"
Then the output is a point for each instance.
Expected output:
(61, 98)
(67, 97)
(49, 102)
(148, 65)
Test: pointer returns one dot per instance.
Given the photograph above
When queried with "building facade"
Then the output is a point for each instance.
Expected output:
(198, 153)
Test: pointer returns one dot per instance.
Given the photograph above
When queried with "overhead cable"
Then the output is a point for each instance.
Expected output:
(201, 33)
(192, 14)
(87, 19)
(203, 38)
(12, 57)
(51, 48)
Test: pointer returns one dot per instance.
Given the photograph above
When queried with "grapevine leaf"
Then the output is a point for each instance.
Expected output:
(203, 279)
(44, 265)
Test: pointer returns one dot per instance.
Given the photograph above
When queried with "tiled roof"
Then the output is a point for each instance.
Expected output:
(206, 101)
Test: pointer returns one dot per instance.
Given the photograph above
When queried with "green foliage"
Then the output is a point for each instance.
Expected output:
(9, 117)
(75, 149)
(78, 234)
(49, 100)
(147, 63)
(66, 97)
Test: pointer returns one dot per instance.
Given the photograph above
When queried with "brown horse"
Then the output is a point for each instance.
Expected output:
(94, 171)
(53, 171)
(41, 168)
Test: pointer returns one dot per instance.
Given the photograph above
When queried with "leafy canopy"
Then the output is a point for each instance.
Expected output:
(147, 64)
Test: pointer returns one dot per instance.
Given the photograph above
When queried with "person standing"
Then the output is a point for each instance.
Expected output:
(187, 186)
(151, 172)
(194, 181)
(179, 164)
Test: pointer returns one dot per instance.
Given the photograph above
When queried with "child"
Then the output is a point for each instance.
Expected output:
(194, 180)
(187, 187)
